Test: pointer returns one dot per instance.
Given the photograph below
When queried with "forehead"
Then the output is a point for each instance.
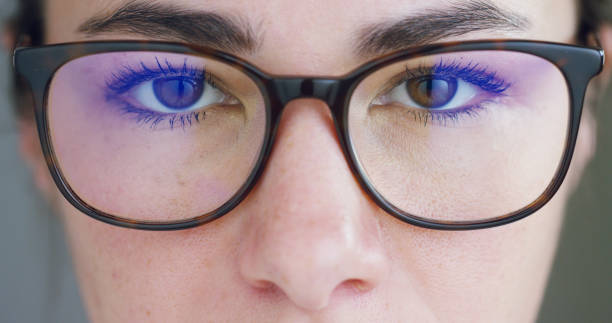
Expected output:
(310, 35)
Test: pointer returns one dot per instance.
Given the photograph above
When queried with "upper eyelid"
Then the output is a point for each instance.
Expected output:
(421, 70)
(469, 71)
(115, 90)
(128, 76)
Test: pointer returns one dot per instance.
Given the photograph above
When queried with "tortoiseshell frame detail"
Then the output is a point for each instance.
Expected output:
(39, 64)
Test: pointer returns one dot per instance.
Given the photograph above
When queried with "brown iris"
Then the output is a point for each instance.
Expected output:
(431, 91)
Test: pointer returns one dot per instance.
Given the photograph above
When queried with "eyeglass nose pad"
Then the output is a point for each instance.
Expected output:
(288, 89)
(284, 90)
(281, 91)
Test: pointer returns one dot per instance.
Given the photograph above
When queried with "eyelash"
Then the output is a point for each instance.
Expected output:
(472, 73)
(129, 77)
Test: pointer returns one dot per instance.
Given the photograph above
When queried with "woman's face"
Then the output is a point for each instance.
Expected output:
(307, 244)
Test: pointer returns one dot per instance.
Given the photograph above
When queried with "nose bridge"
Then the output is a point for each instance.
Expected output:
(287, 89)
(310, 232)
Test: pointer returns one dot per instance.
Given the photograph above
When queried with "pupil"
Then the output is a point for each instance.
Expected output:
(177, 92)
(431, 92)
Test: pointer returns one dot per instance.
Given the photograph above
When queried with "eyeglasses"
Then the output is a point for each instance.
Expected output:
(165, 136)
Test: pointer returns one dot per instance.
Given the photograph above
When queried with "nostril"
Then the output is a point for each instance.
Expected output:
(355, 286)
(263, 285)
(359, 285)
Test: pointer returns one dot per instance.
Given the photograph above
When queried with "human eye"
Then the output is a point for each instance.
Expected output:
(444, 91)
(166, 94)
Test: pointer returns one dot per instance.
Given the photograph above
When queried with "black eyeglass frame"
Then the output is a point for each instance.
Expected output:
(38, 65)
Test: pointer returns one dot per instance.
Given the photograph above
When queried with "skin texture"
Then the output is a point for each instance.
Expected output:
(307, 245)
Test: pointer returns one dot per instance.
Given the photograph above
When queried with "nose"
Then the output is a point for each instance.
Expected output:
(310, 231)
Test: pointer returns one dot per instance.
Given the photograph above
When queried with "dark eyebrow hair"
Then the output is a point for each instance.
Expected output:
(431, 25)
(170, 22)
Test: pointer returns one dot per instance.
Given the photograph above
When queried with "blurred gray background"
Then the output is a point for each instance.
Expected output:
(37, 282)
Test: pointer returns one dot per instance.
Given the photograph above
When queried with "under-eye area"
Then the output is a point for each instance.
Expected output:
(165, 94)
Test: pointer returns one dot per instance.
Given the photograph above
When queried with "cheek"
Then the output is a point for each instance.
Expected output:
(503, 270)
(128, 275)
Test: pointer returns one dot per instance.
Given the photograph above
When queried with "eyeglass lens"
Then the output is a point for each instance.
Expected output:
(464, 136)
(461, 136)
(122, 123)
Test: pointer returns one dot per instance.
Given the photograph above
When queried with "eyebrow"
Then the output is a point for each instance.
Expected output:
(432, 25)
(173, 23)
(170, 22)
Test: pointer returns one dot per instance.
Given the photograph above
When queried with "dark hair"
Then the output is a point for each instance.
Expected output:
(594, 12)
(29, 24)
(26, 25)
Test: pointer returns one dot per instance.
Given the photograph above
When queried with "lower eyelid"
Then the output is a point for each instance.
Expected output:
(155, 119)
